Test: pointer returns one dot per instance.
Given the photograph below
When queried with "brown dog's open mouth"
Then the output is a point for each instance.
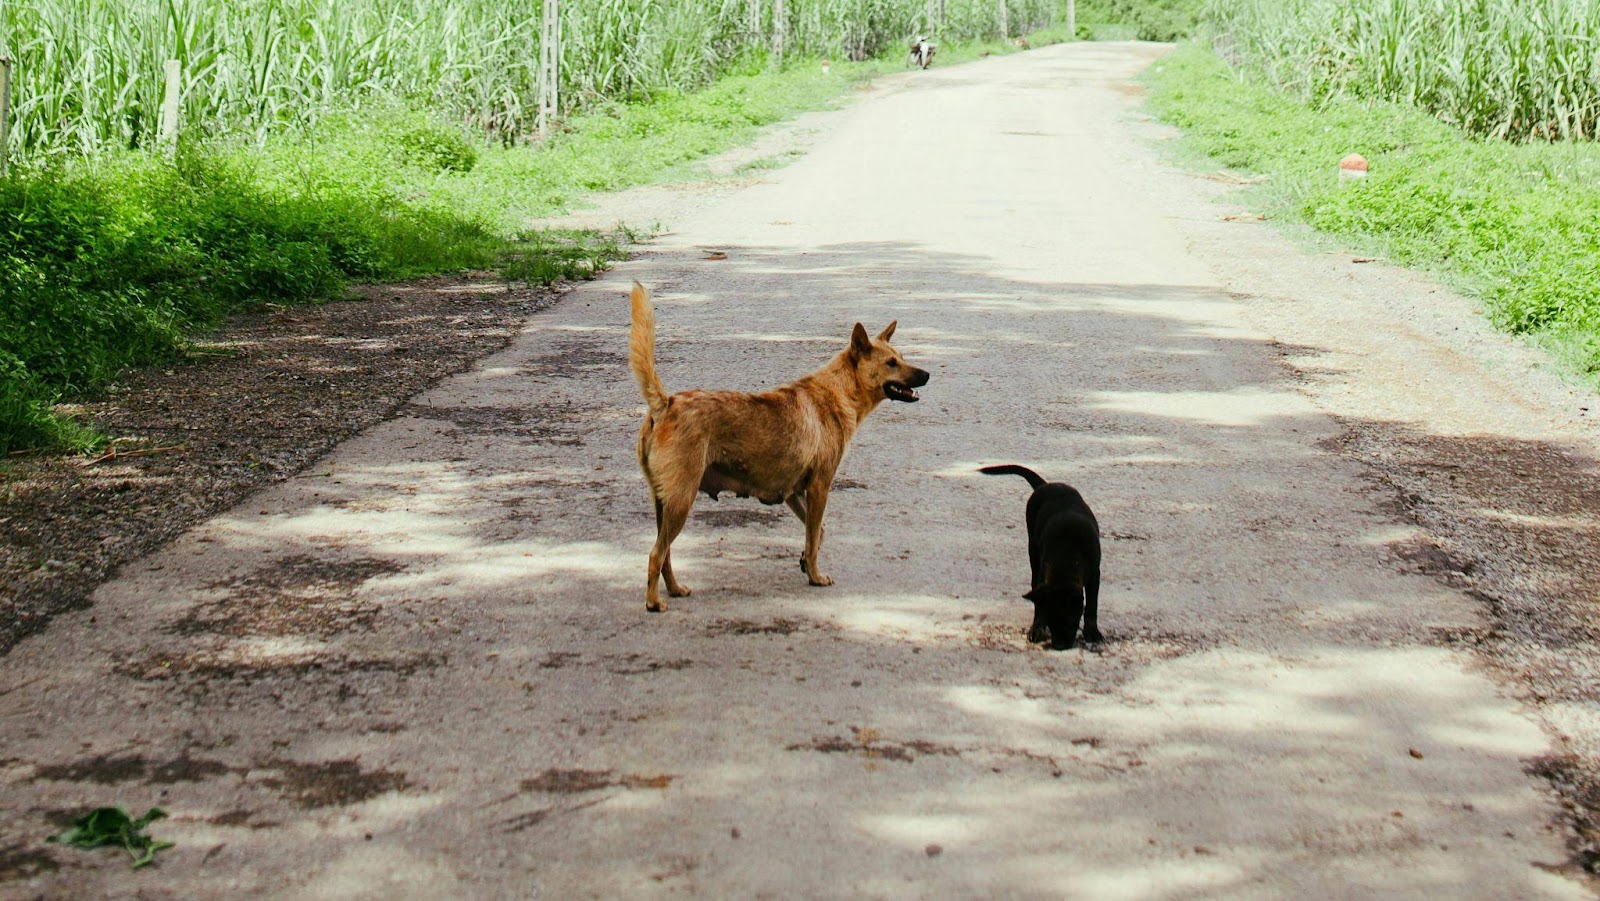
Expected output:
(899, 391)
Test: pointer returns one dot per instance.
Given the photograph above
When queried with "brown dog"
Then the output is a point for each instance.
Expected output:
(782, 445)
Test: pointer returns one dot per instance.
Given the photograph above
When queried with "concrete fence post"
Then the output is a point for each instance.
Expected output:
(1072, 19)
(171, 99)
(780, 28)
(549, 67)
(5, 110)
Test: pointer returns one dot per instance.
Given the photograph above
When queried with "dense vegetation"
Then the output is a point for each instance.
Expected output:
(1501, 68)
(374, 139)
(89, 72)
(1146, 20)
(1514, 223)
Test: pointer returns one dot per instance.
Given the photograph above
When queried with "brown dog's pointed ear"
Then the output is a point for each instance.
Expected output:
(888, 333)
(860, 344)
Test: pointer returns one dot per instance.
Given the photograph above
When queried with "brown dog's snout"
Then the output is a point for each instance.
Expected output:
(919, 377)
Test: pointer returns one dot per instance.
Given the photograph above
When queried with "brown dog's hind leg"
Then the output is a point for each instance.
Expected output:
(815, 504)
(671, 514)
(674, 587)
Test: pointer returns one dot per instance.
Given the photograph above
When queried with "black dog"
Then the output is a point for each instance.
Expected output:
(1064, 551)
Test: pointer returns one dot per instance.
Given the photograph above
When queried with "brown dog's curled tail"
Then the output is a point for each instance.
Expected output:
(642, 352)
(1011, 469)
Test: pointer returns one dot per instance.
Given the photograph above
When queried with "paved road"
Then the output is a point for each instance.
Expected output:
(423, 666)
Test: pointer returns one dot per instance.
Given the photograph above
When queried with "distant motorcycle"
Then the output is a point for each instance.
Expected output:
(922, 52)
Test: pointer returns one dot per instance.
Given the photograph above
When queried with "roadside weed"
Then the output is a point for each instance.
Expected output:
(112, 826)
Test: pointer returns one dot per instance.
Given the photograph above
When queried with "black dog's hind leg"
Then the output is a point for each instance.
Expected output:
(1091, 609)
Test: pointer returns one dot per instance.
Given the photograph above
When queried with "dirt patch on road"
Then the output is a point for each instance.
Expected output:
(1515, 524)
(572, 782)
(779, 626)
(639, 664)
(332, 783)
(20, 861)
(542, 423)
(207, 667)
(870, 743)
(329, 783)
(300, 595)
(107, 769)
(734, 517)
(241, 818)
(573, 354)
(256, 401)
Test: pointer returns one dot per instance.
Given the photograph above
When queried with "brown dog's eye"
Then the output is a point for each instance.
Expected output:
(893, 364)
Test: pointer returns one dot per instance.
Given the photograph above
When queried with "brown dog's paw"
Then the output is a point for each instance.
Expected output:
(679, 591)
(656, 606)
(820, 581)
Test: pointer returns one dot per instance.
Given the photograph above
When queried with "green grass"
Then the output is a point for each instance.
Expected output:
(111, 262)
(1517, 225)
(106, 268)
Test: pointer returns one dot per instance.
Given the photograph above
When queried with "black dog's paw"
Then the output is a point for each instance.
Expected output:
(1039, 634)
(1093, 635)
(1062, 645)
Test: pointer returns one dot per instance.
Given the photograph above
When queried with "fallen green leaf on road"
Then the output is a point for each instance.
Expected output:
(112, 825)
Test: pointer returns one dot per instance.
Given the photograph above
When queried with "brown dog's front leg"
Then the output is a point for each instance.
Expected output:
(816, 503)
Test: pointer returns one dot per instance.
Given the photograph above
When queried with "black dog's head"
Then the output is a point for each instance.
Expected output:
(1058, 608)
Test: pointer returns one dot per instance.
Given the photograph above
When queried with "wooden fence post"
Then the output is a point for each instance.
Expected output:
(549, 67)
(1005, 21)
(755, 21)
(170, 100)
(5, 109)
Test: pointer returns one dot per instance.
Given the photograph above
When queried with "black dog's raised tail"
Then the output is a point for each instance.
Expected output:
(1011, 469)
